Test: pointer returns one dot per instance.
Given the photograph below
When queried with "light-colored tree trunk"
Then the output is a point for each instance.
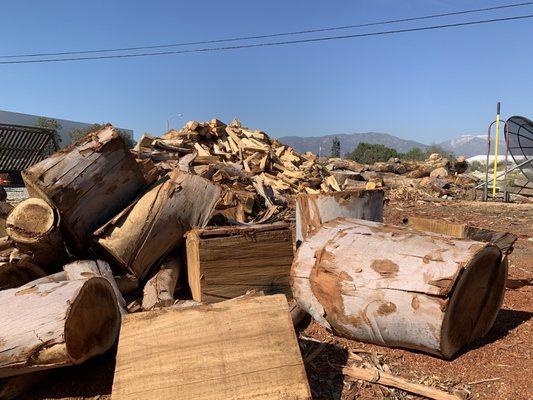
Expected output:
(145, 232)
(83, 269)
(395, 286)
(33, 226)
(312, 210)
(56, 324)
(159, 290)
(88, 183)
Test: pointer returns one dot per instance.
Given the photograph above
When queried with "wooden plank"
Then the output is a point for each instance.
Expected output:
(225, 262)
(504, 240)
(240, 349)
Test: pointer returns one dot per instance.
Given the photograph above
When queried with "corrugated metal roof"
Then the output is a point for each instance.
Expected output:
(23, 146)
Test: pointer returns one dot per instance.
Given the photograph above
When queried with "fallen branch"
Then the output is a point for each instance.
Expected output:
(383, 378)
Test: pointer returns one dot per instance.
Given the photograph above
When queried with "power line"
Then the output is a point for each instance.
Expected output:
(386, 22)
(269, 44)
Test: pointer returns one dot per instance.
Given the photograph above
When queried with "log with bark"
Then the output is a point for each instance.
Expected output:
(398, 287)
(146, 231)
(33, 226)
(312, 210)
(88, 183)
(159, 290)
(83, 269)
(226, 262)
(51, 325)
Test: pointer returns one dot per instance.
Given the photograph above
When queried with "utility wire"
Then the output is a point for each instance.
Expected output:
(335, 28)
(269, 44)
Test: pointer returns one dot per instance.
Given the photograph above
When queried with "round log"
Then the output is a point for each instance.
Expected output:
(33, 226)
(397, 287)
(56, 324)
(88, 182)
(146, 231)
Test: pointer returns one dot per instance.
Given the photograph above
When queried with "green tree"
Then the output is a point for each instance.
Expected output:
(50, 123)
(77, 134)
(415, 154)
(366, 153)
(336, 148)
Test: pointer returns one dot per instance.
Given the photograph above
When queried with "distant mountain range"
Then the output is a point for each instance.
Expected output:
(466, 145)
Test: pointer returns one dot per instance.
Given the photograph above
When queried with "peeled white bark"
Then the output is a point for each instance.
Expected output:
(159, 290)
(83, 269)
(56, 324)
(395, 286)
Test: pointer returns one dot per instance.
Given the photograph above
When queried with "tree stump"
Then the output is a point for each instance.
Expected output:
(312, 210)
(33, 226)
(397, 287)
(146, 231)
(56, 324)
(88, 183)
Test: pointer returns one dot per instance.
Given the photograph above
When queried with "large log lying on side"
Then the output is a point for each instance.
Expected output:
(33, 226)
(83, 269)
(242, 349)
(146, 231)
(159, 290)
(56, 324)
(88, 183)
(226, 262)
(395, 286)
(312, 210)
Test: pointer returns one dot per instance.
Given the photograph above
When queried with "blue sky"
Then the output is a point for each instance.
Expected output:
(427, 86)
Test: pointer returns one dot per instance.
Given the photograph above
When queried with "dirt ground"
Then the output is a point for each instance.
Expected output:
(496, 367)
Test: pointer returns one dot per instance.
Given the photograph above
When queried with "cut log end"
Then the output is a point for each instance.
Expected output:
(93, 321)
(30, 220)
(474, 302)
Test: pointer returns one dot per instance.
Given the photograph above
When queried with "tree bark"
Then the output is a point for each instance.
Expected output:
(146, 231)
(56, 324)
(127, 283)
(84, 269)
(397, 287)
(159, 290)
(33, 226)
(88, 183)
(312, 210)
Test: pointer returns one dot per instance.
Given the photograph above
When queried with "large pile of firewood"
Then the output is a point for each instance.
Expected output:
(260, 173)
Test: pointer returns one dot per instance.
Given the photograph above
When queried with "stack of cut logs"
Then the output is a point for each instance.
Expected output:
(107, 232)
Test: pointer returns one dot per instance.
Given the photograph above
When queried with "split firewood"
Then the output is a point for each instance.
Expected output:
(159, 290)
(83, 269)
(5, 243)
(394, 286)
(386, 379)
(52, 325)
(88, 183)
(155, 224)
(33, 226)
